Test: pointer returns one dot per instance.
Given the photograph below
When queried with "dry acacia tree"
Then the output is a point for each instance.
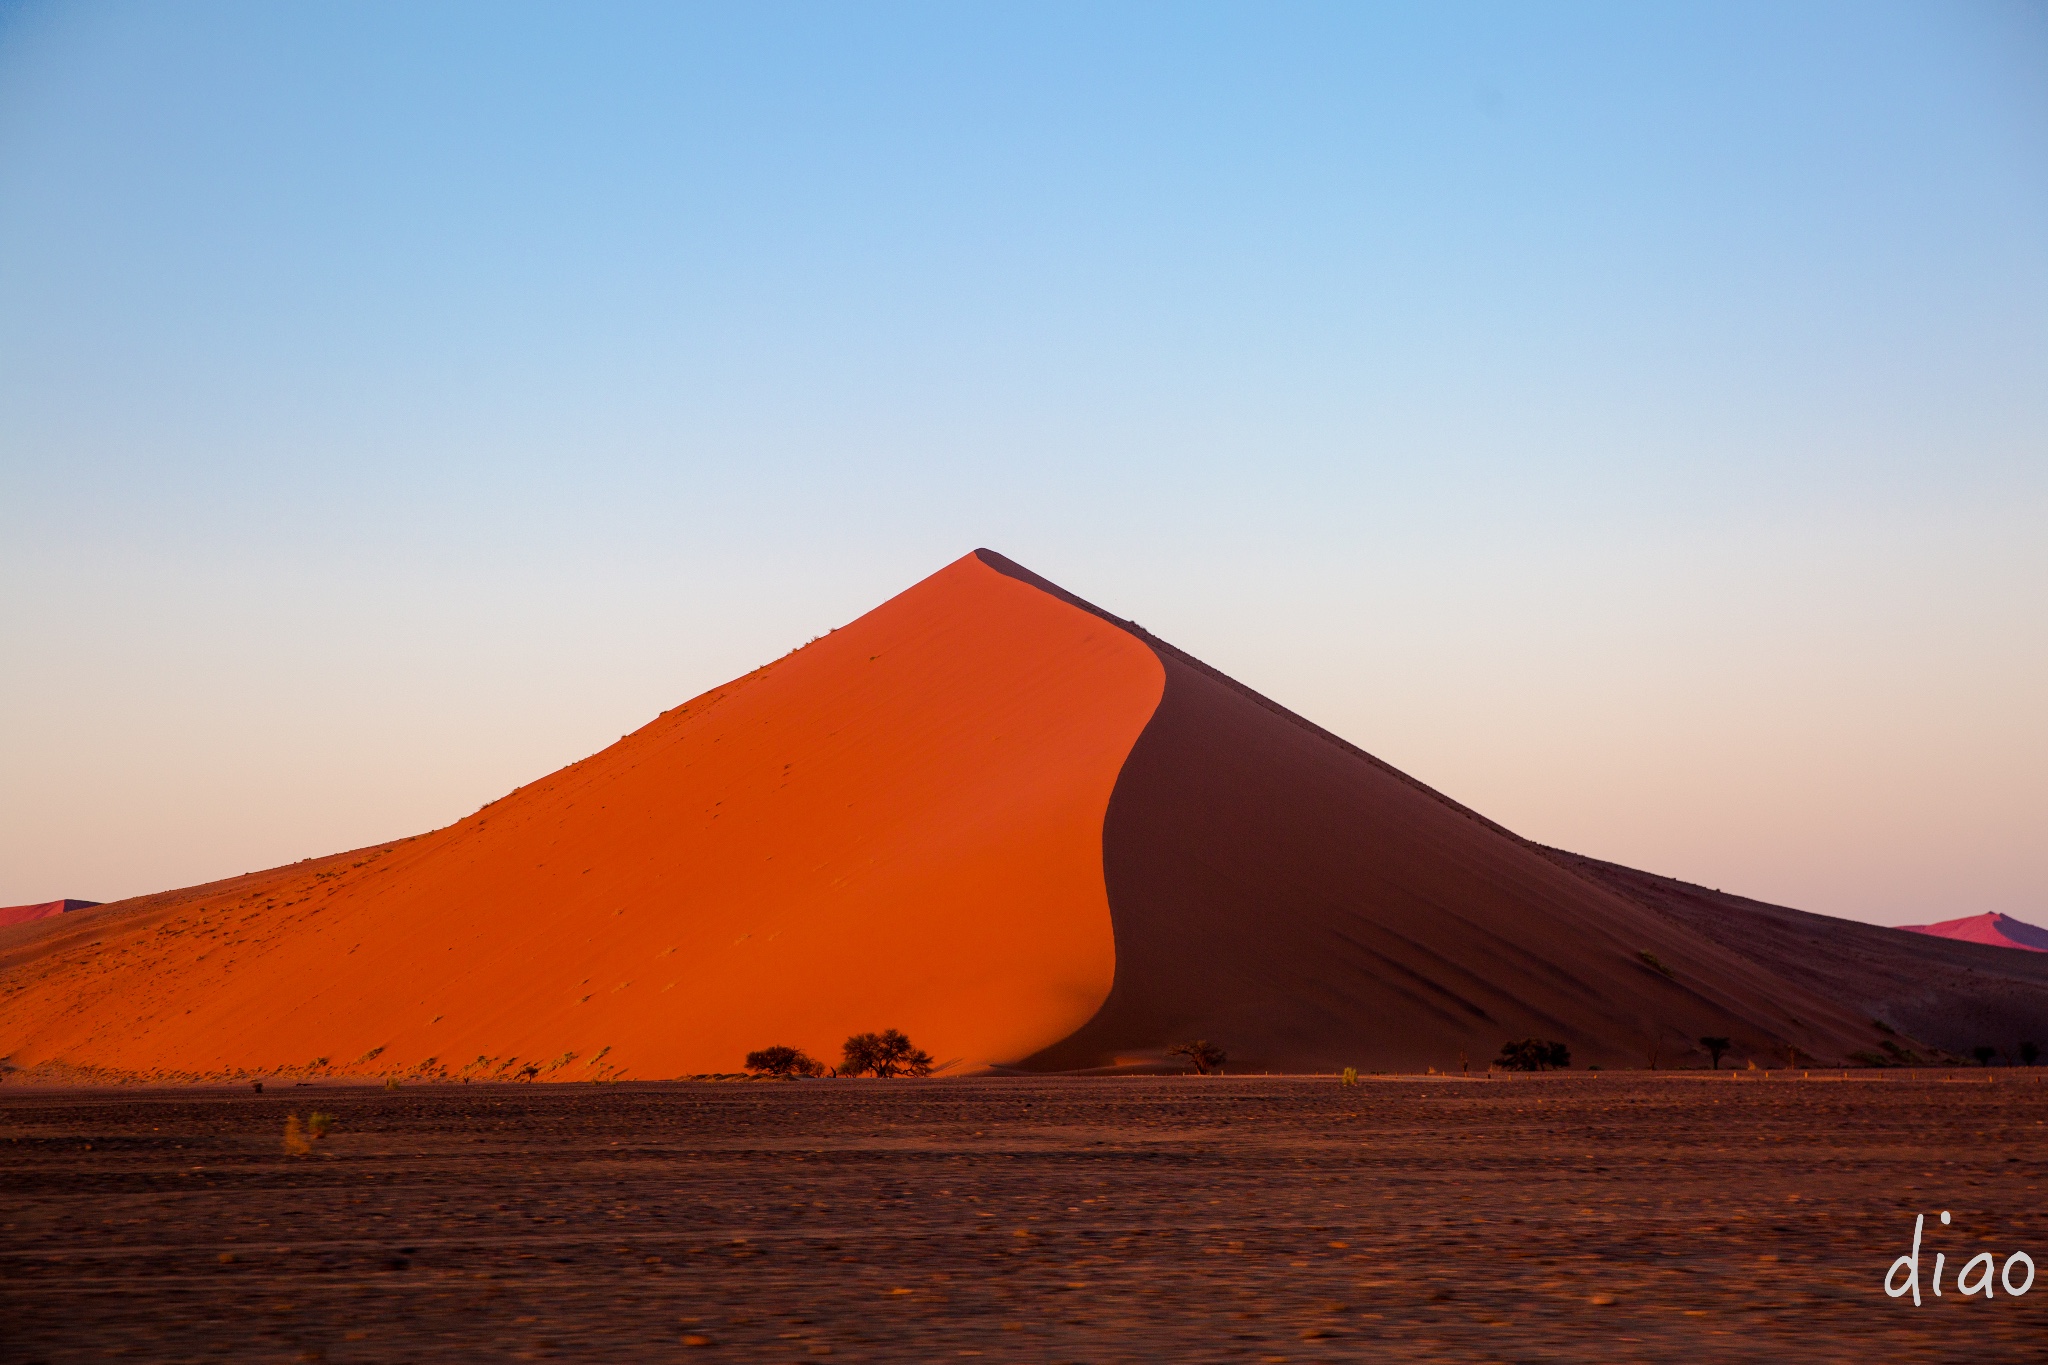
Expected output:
(1533, 1054)
(883, 1054)
(1715, 1047)
(1204, 1054)
(783, 1061)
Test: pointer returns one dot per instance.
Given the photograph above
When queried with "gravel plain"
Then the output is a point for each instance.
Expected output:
(1618, 1216)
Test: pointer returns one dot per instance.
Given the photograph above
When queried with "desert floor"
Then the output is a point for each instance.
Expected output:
(1649, 1216)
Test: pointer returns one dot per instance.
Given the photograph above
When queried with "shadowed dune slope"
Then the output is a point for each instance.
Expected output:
(1949, 992)
(1281, 893)
(898, 825)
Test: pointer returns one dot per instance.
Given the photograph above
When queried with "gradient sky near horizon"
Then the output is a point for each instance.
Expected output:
(1630, 420)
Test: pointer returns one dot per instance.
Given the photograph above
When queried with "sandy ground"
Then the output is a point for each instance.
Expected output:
(1617, 1217)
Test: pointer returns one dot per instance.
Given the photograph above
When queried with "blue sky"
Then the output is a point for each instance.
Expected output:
(1631, 420)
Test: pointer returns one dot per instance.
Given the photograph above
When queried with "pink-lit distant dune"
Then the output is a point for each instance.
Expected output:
(2000, 931)
(22, 914)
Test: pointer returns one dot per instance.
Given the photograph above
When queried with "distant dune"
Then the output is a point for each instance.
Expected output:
(1025, 831)
(2000, 931)
(22, 914)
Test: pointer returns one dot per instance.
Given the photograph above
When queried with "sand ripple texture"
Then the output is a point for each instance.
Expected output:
(1613, 1217)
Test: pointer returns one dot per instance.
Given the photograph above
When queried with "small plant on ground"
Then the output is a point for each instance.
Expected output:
(882, 1055)
(317, 1124)
(295, 1141)
(1650, 960)
(786, 1062)
(1715, 1047)
(391, 1082)
(1350, 1076)
(1533, 1054)
(1205, 1055)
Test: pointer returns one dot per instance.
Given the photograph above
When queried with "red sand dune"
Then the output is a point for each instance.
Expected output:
(2000, 931)
(22, 914)
(898, 825)
(1024, 831)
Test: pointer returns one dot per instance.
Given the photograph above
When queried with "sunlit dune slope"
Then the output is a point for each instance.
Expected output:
(899, 825)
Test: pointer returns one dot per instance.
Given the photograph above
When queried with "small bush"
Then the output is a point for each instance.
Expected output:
(317, 1124)
(1533, 1054)
(1650, 960)
(391, 1082)
(1350, 1076)
(1204, 1054)
(786, 1062)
